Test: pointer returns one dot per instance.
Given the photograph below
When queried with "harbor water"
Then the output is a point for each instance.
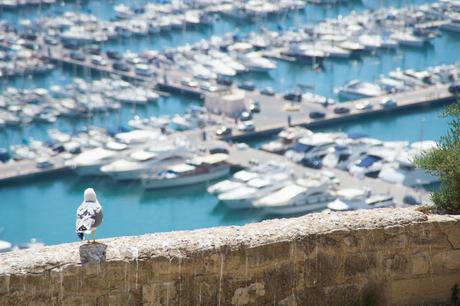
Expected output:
(44, 208)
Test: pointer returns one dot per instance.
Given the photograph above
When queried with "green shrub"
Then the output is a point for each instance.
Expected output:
(444, 161)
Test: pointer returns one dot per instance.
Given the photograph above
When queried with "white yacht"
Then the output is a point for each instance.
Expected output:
(352, 199)
(137, 136)
(238, 180)
(286, 138)
(370, 163)
(305, 195)
(453, 25)
(311, 147)
(407, 39)
(198, 170)
(370, 42)
(403, 171)
(356, 90)
(5, 246)
(334, 51)
(241, 198)
(142, 161)
(91, 161)
(255, 62)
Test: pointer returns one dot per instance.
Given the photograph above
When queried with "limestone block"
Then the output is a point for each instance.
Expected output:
(447, 259)
(430, 289)
(396, 263)
(93, 253)
(453, 234)
(4, 284)
(359, 263)
(420, 263)
(248, 295)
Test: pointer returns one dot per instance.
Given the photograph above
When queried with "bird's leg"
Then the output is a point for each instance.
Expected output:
(85, 237)
(93, 234)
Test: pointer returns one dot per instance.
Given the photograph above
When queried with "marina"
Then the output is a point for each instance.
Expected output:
(119, 108)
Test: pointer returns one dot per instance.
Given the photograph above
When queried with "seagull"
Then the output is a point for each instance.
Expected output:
(89, 215)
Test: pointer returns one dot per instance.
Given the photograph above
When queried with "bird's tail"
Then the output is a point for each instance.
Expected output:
(84, 226)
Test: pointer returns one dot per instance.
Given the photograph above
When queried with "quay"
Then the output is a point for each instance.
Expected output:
(273, 118)
(273, 115)
(24, 169)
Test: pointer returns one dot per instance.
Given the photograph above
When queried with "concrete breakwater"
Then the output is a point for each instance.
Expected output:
(382, 257)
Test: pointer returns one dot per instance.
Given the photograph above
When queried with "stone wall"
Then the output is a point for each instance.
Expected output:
(378, 257)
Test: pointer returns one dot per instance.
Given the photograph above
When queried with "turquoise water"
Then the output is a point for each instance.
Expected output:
(45, 208)
(128, 209)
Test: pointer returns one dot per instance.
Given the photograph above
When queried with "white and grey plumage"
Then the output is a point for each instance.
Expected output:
(89, 215)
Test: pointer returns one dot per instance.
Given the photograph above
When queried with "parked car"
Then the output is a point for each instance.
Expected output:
(454, 88)
(226, 81)
(70, 45)
(245, 116)
(93, 49)
(341, 110)
(206, 86)
(143, 70)
(189, 82)
(44, 163)
(365, 105)
(411, 200)
(28, 36)
(120, 66)
(388, 103)
(114, 55)
(216, 150)
(293, 96)
(314, 162)
(267, 91)
(98, 60)
(317, 115)
(51, 41)
(254, 107)
(249, 86)
(78, 56)
(246, 126)
(223, 131)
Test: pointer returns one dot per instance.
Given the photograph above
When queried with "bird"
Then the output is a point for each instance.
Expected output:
(89, 215)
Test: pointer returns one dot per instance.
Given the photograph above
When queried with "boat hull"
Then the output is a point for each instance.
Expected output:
(294, 209)
(90, 170)
(186, 180)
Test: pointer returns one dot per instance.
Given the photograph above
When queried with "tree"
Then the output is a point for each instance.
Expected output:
(444, 161)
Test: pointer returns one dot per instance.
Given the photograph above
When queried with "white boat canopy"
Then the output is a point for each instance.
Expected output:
(142, 155)
(281, 197)
(116, 146)
(181, 168)
(211, 159)
(244, 175)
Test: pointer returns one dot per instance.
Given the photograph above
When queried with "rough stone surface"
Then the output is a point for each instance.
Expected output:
(378, 257)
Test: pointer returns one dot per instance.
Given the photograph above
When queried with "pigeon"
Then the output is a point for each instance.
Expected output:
(89, 215)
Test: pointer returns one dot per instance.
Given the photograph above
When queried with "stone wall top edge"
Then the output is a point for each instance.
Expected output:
(181, 243)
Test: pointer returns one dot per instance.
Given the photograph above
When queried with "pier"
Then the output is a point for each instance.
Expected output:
(29, 168)
(272, 118)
